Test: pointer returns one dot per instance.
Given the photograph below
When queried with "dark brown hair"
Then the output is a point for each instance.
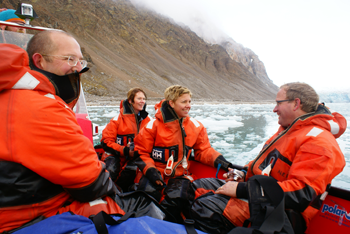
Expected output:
(132, 93)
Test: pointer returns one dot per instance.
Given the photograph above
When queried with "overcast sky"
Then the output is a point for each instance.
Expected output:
(297, 40)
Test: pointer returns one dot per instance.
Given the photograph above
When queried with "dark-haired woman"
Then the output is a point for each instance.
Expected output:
(118, 137)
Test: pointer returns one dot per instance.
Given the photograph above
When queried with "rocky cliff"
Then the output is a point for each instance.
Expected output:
(127, 47)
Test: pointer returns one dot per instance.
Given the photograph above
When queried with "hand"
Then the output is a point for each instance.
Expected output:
(234, 175)
(223, 162)
(228, 189)
(159, 182)
(154, 176)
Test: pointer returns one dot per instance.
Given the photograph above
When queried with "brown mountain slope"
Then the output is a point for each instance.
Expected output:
(128, 47)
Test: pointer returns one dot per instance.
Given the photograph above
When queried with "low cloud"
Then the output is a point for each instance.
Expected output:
(189, 13)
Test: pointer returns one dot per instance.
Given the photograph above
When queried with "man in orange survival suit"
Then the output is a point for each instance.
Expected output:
(47, 165)
(303, 156)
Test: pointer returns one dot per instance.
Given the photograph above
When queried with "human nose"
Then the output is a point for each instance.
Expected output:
(275, 109)
(21, 30)
(78, 67)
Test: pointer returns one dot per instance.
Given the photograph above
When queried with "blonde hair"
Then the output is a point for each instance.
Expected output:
(175, 91)
(307, 95)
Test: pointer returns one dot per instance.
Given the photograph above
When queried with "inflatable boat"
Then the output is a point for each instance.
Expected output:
(333, 217)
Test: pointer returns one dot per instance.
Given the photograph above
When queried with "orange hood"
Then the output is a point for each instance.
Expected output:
(16, 73)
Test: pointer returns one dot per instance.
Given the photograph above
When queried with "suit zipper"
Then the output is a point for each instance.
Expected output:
(137, 121)
(183, 146)
(271, 143)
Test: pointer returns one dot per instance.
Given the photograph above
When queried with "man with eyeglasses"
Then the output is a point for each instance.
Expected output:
(57, 55)
(303, 156)
(47, 165)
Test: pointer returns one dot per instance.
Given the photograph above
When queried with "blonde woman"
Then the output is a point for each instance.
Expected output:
(166, 143)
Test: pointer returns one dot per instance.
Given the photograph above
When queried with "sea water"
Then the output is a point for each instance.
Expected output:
(238, 131)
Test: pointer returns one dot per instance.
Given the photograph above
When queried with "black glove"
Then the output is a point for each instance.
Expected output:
(136, 155)
(224, 163)
(126, 152)
(153, 175)
(110, 150)
(113, 166)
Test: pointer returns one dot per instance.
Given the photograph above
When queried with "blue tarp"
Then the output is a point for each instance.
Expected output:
(69, 223)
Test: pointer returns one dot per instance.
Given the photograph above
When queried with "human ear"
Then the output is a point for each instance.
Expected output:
(297, 104)
(38, 61)
(171, 103)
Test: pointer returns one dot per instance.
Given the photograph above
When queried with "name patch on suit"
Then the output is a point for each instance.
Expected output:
(158, 155)
(119, 140)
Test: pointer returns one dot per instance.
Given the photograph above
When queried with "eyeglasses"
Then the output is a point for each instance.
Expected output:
(286, 100)
(71, 60)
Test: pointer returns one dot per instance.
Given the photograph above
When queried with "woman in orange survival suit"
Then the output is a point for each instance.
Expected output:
(165, 146)
(118, 137)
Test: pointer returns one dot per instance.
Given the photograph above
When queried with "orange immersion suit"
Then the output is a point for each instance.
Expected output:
(303, 158)
(168, 136)
(47, 165)
(122, 129)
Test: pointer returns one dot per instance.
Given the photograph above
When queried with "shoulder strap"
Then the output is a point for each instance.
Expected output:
(266, 206)
(244, 230)
(189, 225)
(102, 218)
(274, 216)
